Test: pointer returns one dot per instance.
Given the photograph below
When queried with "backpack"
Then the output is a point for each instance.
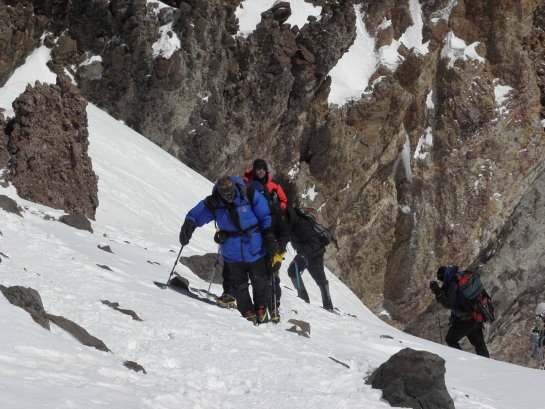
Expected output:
(478, 299)
(324, 235)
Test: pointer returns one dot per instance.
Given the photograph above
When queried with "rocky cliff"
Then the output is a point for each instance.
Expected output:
(436, 161)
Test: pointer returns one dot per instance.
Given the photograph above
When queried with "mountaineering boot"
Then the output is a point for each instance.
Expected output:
(262, 314)
(326, 298)
(226, 301)
(251, 316)
(301, 290)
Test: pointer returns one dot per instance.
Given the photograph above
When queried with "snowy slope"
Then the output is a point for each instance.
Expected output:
(196, 355)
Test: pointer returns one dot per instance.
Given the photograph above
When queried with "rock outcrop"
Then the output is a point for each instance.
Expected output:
(47, 146)
(20, 31)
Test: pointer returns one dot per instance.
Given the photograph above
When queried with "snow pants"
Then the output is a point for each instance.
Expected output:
(256, 271)
(472, 330)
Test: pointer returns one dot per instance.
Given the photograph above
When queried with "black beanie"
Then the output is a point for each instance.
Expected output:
(260, 163)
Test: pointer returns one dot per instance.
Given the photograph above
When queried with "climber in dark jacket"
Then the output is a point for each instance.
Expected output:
(281, 229)
(461, 323)
(245, 238)
(310, 255)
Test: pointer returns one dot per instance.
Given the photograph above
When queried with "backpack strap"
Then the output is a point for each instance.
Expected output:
(247, 193)
(211, 203)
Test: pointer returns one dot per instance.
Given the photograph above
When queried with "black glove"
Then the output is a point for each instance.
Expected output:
(434, 287)
(271, 246)
(186, 232)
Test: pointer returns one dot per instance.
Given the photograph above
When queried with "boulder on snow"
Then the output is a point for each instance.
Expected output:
(78, 332)
(106, 248)
(9, 205)
(115, 306)
(413, 379)
(29, 300)
(134, 366)
(205, 266)
(77, 221)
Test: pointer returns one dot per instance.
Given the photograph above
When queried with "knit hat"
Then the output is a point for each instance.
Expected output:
(260, 163)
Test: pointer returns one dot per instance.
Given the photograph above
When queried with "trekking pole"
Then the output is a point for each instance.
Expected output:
(297, 276)
(176, 262)
(274, 294)
(214, 270)
(438, 321)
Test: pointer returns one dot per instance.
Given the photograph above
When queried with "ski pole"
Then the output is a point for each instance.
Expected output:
(176, 262)
(274, 294)
(438, 321)
(298, 276)
(214, 270)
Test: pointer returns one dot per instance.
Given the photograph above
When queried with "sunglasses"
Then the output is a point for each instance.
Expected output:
(228, 195)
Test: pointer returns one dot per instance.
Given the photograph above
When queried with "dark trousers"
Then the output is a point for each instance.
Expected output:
(314, 264)
(257, 273)
(226, 280)
(472, 330)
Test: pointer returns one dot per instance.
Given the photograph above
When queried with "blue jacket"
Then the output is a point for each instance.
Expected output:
(253, 217)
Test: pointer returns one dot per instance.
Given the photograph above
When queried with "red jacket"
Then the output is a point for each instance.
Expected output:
(270, 185)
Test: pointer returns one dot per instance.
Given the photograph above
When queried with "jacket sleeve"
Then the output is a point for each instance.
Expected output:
(200, 214)
(261, 210)
(442, 297)
(282, 229)
(282, 197)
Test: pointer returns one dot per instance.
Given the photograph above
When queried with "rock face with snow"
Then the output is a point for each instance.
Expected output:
(425, 165)
(47, 146)
(20, 31)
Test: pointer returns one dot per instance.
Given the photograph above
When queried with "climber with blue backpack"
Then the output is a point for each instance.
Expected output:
(463, 293)
(245, 238)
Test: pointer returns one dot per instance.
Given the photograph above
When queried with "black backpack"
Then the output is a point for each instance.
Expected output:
(309, 214)
(478, 299)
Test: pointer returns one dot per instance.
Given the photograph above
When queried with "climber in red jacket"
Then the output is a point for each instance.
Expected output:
(260, 173)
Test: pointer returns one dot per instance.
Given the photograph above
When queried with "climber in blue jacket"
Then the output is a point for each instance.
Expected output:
(245, 236)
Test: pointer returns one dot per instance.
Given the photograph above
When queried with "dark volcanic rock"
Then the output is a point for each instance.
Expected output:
(28, 299)
(77, 221)
(48, 142)
(9, 205)
(134, 366)
(125, 311)
(78, 332)
(413, 379)
(205, 266)
(20, 31)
